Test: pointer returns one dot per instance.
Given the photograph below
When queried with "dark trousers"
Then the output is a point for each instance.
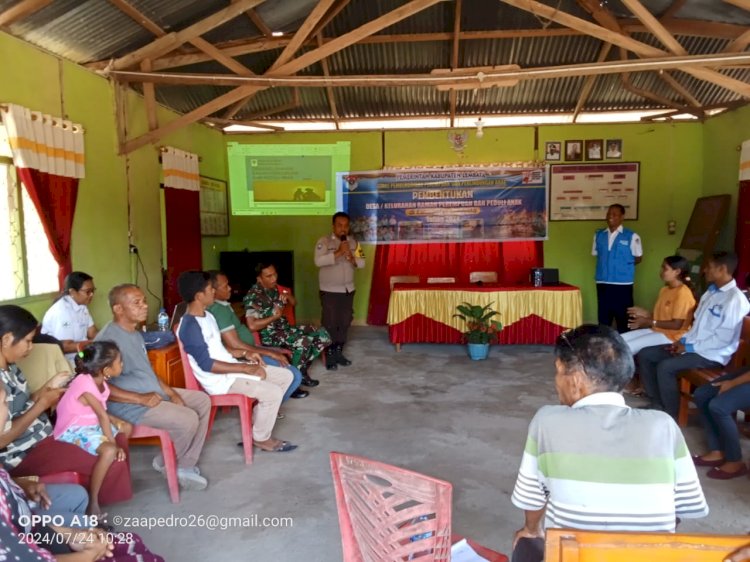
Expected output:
(338, 310)
(717, 414)
(659, 370)
(528, 550)
(613, 302)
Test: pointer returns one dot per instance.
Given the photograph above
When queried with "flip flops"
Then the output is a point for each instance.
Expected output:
(700, 461)
(282, 447)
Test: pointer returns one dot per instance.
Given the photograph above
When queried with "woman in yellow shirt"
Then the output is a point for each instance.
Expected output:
(673, 311)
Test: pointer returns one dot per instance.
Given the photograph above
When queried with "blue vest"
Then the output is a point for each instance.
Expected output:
(618, 264)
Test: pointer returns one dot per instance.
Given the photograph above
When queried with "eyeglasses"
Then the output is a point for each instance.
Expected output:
(88, 291)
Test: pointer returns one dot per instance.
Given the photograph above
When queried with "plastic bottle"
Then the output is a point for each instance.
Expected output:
(537, 278)
(163, 320)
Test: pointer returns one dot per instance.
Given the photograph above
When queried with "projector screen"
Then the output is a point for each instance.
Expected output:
(285, 179)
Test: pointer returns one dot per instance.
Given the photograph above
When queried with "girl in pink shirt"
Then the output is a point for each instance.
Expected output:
(82, 417)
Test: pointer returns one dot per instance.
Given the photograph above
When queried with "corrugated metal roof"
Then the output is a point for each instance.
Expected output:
(95, 30)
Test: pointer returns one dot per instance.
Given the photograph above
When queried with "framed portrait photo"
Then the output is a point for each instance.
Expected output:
(574, 150)
(595, 149)
(552, 150)
(614, 149)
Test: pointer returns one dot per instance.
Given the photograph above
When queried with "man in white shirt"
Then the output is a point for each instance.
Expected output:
(618, 250)
(710, 343)
(221, 372)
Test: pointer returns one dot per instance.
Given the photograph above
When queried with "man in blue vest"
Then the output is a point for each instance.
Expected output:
(617, 250)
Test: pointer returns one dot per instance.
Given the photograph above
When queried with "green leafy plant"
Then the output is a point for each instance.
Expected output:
(481, 328)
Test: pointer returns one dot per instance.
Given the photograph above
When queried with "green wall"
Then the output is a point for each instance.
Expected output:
(671, 178)
(103, 225)
(723, 136)
(119, 199)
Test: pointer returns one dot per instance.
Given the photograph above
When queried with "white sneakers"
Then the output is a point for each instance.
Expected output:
(189, 478)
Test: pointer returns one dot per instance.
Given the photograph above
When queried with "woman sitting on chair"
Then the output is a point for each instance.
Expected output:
(672, 313)
(68, 318)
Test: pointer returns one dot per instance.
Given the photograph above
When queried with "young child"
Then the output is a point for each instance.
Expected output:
(82, 417)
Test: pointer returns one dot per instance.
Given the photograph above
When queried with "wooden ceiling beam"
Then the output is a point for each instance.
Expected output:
(149, 98)
(329, 91)
(744, 4)
(246, 122)
(221, 58)
(171, 41)
(588, 85)
(467, 78)
(22, 10)
(302, 34)
(625, 42)
(294, 104)
(627, 85)
(332, 13)
(679, 88)
(291, 67)
(139, 17)
(257, 21)
(365, 30)
(454, 57)
(695, 28)
(739, 44)
(654, 26)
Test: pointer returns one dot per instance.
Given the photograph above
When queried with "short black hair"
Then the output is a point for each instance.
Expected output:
(727, 259)
(260, 266)
(17, 321)
(75, 280)
(190, 283)
(598, 351)
(618, 206)
(341, 214)
(96, 356)
(213, 276)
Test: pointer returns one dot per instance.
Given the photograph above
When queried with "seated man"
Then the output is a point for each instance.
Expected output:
(140, 397)
(593, 463)
(235, 335)
(710, 343)
(221, 373)
(264, 313)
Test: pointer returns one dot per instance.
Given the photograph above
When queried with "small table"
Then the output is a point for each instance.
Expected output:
(423, 313)
(167, 365)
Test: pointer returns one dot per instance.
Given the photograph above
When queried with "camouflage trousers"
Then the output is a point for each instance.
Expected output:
(305, 342)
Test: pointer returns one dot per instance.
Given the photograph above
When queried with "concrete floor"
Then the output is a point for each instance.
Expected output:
(428, 408)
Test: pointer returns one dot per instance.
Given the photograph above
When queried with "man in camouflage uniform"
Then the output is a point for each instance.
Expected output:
(264, 313)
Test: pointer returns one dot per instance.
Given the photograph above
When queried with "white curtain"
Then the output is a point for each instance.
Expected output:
(43, 142)
(180, 169)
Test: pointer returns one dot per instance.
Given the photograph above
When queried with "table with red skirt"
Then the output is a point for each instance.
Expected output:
(424, 313)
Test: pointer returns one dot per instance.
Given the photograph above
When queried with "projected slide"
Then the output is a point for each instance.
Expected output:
(285, 179)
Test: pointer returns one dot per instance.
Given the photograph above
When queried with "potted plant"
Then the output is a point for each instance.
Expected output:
(481, 330)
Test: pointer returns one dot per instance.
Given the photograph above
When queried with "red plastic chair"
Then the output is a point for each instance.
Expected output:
(389, 514)
(63, 478)
(244, 403)
(168, 452)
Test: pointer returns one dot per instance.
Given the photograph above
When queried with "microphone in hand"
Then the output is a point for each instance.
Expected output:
(342, 237)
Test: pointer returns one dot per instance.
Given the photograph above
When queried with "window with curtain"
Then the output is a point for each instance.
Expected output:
(27, 267)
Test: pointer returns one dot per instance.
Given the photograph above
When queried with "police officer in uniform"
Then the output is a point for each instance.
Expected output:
(617, 250)
(337, 256)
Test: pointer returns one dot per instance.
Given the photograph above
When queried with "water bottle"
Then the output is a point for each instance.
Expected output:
(163, 320)
(537, 278)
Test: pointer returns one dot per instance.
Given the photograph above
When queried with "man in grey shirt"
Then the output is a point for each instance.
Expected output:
(140, 397)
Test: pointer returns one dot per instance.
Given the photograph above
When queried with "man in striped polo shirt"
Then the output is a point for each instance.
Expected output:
(593, 463)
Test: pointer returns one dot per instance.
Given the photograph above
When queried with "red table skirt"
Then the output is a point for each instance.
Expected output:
(418, 328)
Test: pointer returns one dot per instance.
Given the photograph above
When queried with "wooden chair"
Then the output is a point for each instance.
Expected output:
(389, 514)
(570, 545)
(243, 403)
(483, 276)
(693, 378)
(403, 279)
(441, 279)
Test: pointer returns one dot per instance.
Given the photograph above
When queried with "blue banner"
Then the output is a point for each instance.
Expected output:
(446, 204)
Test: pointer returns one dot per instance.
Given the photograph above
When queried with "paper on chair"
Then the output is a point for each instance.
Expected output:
(462, 552)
